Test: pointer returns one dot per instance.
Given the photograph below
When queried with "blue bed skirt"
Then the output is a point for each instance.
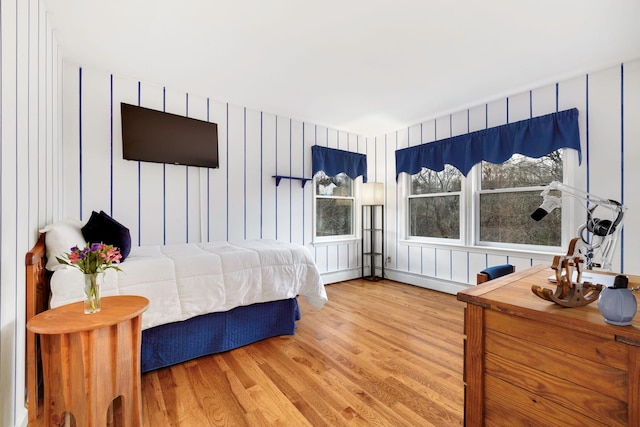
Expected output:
(178, 342)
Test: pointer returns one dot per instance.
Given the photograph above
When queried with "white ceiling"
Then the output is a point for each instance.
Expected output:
(363, 66)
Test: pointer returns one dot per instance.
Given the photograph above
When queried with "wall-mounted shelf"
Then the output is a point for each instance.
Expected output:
(279, 177)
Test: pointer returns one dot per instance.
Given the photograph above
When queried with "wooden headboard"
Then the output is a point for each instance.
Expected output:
(37, 301)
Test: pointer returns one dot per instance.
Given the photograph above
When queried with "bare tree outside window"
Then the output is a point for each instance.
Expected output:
(509, 192)
(507, 195)
(334, 205)
(434, 203)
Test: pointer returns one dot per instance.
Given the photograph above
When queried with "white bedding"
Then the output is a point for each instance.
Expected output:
(185, 280)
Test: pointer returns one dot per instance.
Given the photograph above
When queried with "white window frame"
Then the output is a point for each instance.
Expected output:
(470, 216)
(476, 219)
(461, 210)
(354, 213)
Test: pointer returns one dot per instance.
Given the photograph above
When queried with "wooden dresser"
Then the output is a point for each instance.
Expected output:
(531, 362)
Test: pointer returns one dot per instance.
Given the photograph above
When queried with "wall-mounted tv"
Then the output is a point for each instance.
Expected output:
(155, 136)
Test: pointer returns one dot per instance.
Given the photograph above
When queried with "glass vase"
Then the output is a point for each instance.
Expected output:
(92, 284)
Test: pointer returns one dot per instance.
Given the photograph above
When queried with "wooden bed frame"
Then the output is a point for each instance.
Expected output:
(162, 345)
(37, 280)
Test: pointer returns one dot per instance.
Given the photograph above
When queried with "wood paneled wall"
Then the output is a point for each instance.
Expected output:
(173, 204)
(608, 101)
(163, 204)
(29, 176)
(61, 156)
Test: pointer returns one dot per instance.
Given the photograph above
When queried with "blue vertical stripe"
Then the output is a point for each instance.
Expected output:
(276, 188)
(622, 161)
(486, 116)
(507, 109)
(587, 155)
(164, 180)
(139, 188)
(303, 192)
(80, 135)
(227, 167)
(111, 145)
(186, 173)
(186, 189)
(290, 174)
(244, 142)
(261, 175)
(208, 188)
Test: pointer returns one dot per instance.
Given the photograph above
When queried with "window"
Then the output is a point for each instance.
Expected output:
(434, 203)
(334, 205)
(506, 196)
(500, 196)
(509, 192)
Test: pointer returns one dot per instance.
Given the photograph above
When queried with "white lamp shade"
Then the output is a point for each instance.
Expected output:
(372, 193)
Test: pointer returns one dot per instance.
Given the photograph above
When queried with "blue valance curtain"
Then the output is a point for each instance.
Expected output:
(534, 137)
(333, 161)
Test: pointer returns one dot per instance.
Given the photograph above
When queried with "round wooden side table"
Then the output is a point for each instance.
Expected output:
(90, 360)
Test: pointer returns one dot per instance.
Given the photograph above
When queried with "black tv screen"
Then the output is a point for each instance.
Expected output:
(155, 136)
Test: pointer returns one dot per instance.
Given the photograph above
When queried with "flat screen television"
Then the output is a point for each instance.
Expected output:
(156, 136)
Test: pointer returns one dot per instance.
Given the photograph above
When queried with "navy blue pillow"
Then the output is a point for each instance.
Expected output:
(102, 228)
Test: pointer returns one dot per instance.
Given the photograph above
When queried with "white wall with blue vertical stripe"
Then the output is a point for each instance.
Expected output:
(164, 204)
(30, 176)
(608, 101)
(61, 156)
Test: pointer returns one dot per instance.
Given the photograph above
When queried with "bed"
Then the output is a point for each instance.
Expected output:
(203, 297)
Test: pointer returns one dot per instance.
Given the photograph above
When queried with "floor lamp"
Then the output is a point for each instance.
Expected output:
(372, 196)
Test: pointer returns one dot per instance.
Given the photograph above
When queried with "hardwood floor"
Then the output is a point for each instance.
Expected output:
(378, 353)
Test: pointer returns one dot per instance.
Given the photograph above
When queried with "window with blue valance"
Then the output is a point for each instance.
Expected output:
(534, 137)
(333, 161)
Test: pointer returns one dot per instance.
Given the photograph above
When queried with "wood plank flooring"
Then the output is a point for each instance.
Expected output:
(377, 354)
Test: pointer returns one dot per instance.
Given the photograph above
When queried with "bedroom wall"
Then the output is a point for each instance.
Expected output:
(29, 176)
(173, 204)
(163, 204)
(608, 101)
(50, 110)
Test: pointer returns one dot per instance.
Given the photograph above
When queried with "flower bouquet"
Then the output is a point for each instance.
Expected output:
(92, 260)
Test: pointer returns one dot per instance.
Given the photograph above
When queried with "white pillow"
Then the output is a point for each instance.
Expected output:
(60, 238)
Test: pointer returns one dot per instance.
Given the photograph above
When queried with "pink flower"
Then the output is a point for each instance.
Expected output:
(93, 258)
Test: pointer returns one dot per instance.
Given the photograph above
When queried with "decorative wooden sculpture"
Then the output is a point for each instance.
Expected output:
(570, 293)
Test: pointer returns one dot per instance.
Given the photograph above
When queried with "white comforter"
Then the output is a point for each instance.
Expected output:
(185, 280)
